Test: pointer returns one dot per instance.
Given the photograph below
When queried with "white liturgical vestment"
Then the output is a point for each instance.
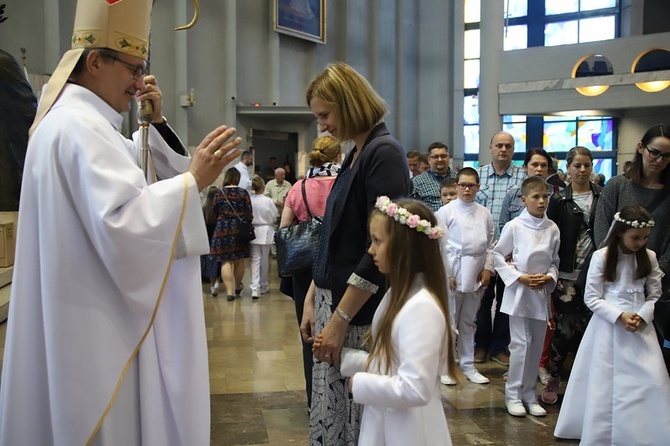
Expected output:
(533, 245)
(106, 305)
(468, 248)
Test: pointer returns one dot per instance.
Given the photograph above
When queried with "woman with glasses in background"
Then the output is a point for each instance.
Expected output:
(646, 182)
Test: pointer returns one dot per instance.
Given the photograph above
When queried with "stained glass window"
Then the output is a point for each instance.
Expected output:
(516, 126)
(559, 136)
(595, 135)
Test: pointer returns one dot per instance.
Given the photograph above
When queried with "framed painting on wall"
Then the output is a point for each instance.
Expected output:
(305, 19)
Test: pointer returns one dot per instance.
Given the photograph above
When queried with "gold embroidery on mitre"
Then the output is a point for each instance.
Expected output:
(85, 38)
(129, 45)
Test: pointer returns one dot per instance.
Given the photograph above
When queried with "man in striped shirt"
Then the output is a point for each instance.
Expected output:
(426, 186)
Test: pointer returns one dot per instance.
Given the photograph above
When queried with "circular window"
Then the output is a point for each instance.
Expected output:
(592, 65)
(655, 59)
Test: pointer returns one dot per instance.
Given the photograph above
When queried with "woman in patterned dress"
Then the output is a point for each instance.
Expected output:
(232, 205)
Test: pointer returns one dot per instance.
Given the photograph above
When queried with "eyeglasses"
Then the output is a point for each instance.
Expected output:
(137, 70)
(656, 154)
(467, 186)
(439, 157)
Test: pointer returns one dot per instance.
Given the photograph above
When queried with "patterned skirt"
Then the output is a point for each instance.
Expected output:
(334, 418)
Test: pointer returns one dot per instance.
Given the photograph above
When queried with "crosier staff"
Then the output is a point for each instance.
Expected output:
(146, 109)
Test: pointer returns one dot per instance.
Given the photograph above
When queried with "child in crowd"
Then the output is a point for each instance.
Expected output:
(469, 263)
(265, 214)
(409, 343)
(619, 391)
(526, 257)
(448, 190)
(424, 165)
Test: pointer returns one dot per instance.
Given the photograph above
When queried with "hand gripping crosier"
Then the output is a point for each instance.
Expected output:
(146, 110)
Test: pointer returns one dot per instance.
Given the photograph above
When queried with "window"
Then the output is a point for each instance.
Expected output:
(597, 28)
(561, 33)
(541, 23)
(472, 11)
(516, 8)
(595, 133)
(554, 7)
(516, 126)
(515, 37)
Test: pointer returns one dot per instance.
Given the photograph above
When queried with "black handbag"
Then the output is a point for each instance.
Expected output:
(247, 232)
(297, 243)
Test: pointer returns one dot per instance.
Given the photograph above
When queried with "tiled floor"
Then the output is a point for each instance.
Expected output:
(257, 383)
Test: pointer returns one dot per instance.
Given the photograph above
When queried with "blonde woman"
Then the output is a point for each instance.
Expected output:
(347, 285)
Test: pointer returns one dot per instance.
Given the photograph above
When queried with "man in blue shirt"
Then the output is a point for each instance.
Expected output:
(427, 185)
(496, 179)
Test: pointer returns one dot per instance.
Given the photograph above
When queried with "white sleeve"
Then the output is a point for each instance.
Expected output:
(419, 335)
(166, 161)
(508, 272)
(353, 361)
(652, 288)
(593, 292)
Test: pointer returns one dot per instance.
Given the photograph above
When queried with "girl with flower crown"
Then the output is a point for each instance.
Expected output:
(619, 391)
(398, 380)
(646, 182)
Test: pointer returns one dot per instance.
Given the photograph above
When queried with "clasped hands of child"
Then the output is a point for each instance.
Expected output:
(631, 321)
(535, 281)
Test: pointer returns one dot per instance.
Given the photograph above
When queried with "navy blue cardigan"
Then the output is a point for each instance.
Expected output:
(380, 169)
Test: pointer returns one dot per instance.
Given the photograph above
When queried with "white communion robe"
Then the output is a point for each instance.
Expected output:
(405, 406)
(93, 266)
(468, 249)
(533, 244)
(619, 390)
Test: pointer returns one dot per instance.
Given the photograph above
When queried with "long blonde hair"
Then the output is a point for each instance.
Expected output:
(410, 253)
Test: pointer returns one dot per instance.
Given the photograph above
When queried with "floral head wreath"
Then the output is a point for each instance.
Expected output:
(634, 223)
(404, 217)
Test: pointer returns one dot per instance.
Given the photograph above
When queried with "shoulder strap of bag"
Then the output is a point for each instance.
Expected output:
(231, 206)
(304, 198)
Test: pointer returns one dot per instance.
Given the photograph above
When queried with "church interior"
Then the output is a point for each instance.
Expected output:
(553, 73)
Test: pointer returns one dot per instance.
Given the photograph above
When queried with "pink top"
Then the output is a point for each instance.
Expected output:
(316, 189)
